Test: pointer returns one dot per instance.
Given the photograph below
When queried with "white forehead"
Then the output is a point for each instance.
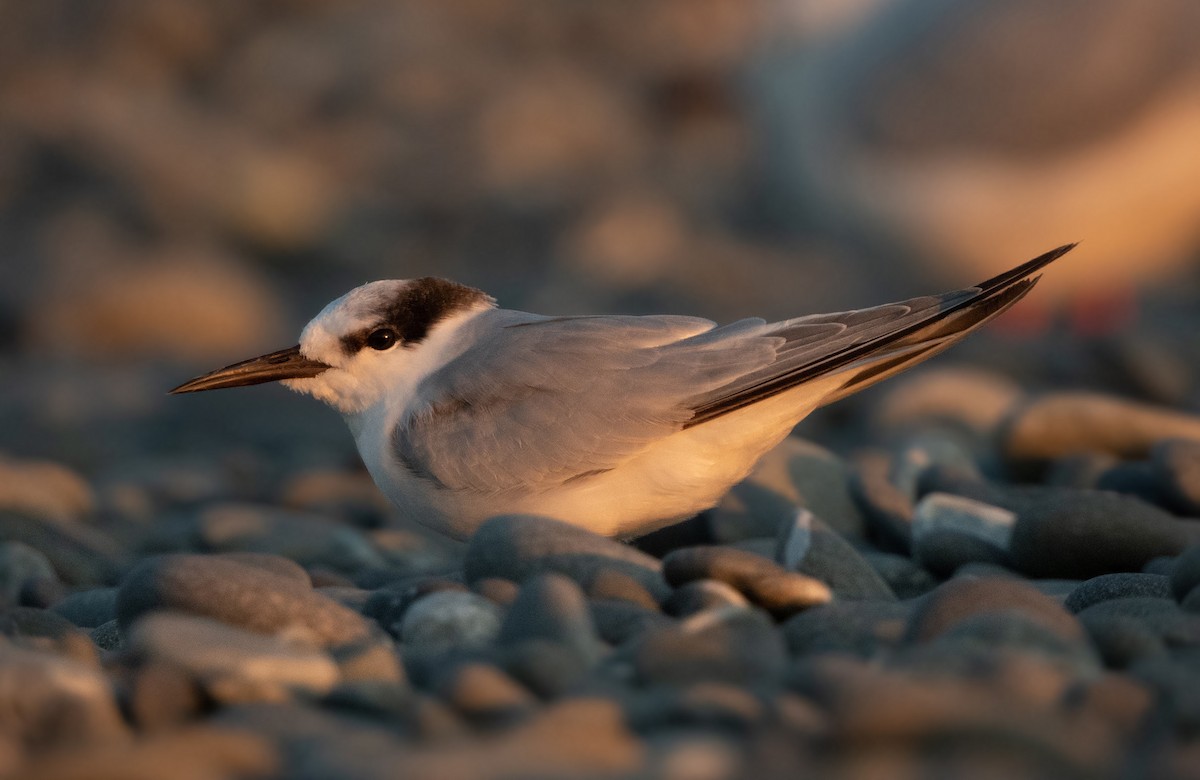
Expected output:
(358, 309)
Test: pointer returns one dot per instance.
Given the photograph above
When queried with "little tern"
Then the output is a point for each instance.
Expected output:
(618, 424)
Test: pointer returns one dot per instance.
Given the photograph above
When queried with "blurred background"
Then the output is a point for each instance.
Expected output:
(184, 184)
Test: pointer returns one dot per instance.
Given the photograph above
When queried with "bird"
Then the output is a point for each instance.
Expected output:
(617, 424)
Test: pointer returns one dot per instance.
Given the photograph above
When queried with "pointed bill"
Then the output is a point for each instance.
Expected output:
(284, 364)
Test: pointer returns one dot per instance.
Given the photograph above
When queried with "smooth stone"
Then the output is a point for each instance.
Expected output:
(1082, 534)
(388, 605)
(1065, 423)
(1185, 572)
(610, 585)
(42, 592)
(927, 449)
(960, 599)
(20, 563)
(979, 639)
(1174, 625)
(1177, 688)
(517, 547)
(270, 562)
(108, 637)
(726, 644)
(618, 621)
(864, 629)
(88, 608)
(699, 595)
(907, 578)
(945, 512)
(975, 398)
(44, 489)
(809, 546)
(796, 473)
(1177, 463)
(163, 695)
(704, 706)
(760, 579)
(448, 620)
(307, 539)
(484, 694)
(1082, 471)
(40, 629)
(553, 608)
(1136, 478)
(240, 595)
(887, 508)
(497, 590)
(1117, 586)
(549, 669)
(50, 702)
(82, 556)
(1121, 640)
(232, 664)
(374, 660)
(946, 551)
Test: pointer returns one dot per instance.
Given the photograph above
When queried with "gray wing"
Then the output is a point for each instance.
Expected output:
(539, 401)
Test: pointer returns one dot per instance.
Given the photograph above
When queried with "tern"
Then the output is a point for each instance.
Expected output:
(618, 424)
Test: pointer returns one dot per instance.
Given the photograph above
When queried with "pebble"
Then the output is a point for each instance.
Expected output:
(517, 547)
(945, 512)
(974, 398)
(945, 551)
(796, 473)
(1176, 462)
(485, 694)
(88, 608)
(610, 585)
(231, 664)
(699, 595)
(44, 630)
(806, 544)
(388, 605)
(726, 644)
(1122, 640)
(906, 578)
(44, 489)
(618, 621)
(552, 608)
(374, 660)
(307, 539)
(498, 590)
(1185, 573)
(1162, 616)
(81, 555)
(864, 629)
(20, 563)
(108, 636)
(163, 695)
(47, 701)
(1117, 586)
(1067, 423)
(1081, 534)
(240, 595)
(759, 579)
(447, 620)
(887, 508)
(960, 599)
(549, 669)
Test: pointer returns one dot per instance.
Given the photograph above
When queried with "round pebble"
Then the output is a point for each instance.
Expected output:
(699, 595)
(760, 579)
(960, 599)
(727, 644)
(20, 563)
(89, 608)
(1117, 586)
(240, 595)
(1185, 572)
(552, 608)
(448, 620)
(1176, 463)
(806, 544)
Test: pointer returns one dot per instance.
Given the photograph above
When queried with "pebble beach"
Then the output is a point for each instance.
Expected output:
(988, 567)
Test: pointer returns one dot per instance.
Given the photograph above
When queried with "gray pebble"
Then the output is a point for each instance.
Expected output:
(237, 594)
(20, 563)
(904, 576)
(727, 644)
(83, 556)
(1121, 640)
(1185, 572)
(865, 629)
(517, 547)
(499, 591)
(233, 665)
(388, 605)
(887, 508)
(699, 595)
(809, 546)
(977, 639)
(618, 621)
(40, 629)
(552, 608)
(760, 579)
(1116, 586)
(946, 512)
(945, 551)
(1175, 626)
(89, 608)
(485, 695)
(1136, 478)
(108, 636)
(448, 620)
(549, 669)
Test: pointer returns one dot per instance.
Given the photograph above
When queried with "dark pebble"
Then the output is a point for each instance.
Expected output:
(20, 563)
(81, 555)
(760, 579)
(237, 594)
(1136, 478)
(945, 551)
(862, 629)
(552, 608)
(108, 636)
(960, 599)
(611, 585)
(806, 544)
(1177, 462)
(904, 576)
(887, 508)
(617, 621)
(980, 640)
(1121, 640)
(1117, 586)
(41, 629)
(1185, 572)
(89, 608)
(1162, 616)
(497, 590)
(727, 644)
(387, 605)
(549, 669)
(517, 547)
(699, 595)
(485, 695)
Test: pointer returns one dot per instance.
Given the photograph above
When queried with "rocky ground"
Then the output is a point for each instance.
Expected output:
(989, 568)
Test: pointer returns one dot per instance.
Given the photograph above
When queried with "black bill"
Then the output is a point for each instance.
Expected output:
(284, 364)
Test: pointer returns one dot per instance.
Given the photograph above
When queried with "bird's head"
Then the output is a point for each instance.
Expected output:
(360, 346)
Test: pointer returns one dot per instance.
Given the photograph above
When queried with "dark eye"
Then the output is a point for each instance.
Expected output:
(381, 339)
